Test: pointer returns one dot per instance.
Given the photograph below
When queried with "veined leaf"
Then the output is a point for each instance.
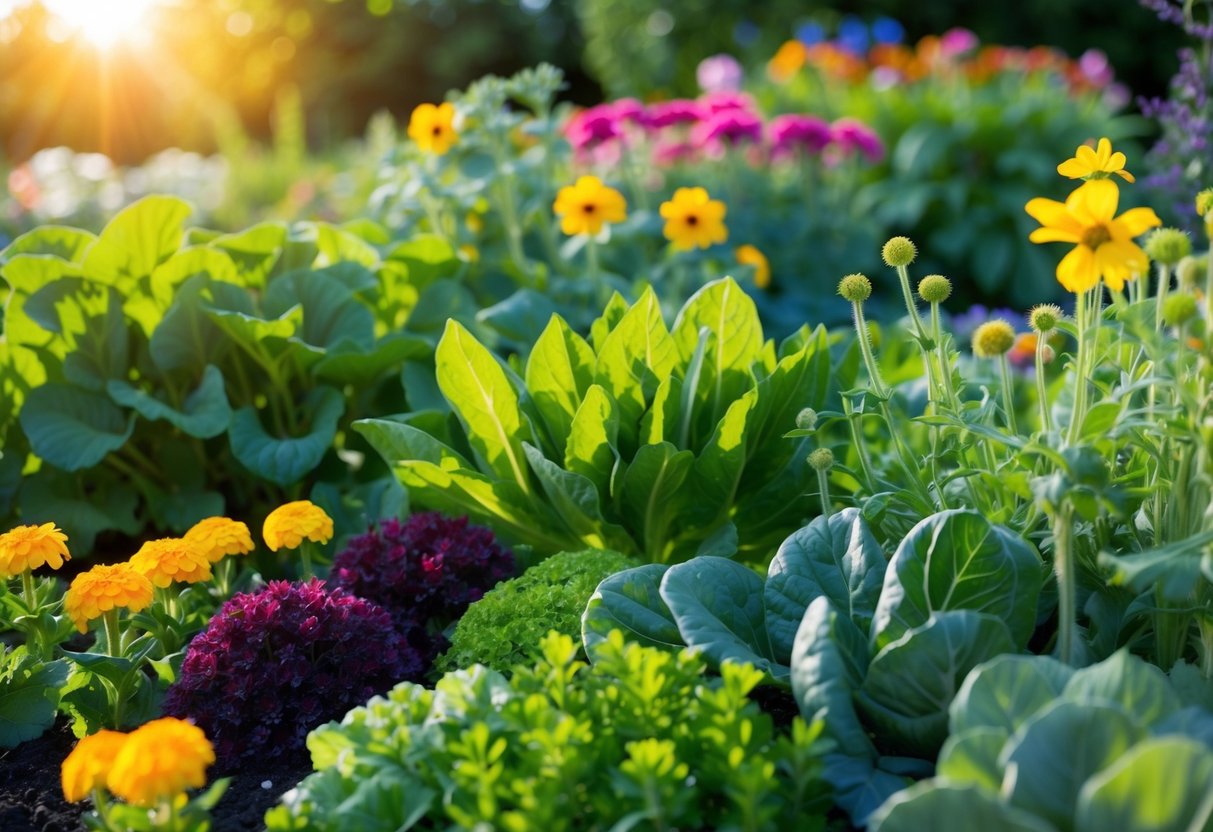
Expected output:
(593, 439)
(72, 428)
(559, 372)
(651, 488)
(58, 241)
(204, 414)
(137, 240)
(630, 601)
(284, 460)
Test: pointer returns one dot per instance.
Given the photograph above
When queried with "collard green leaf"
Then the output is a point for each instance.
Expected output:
(255, 251)
(615, 309)
(191, 262)
(717, 604)
(559, 372)
(29, 695)
(331, 314)
(911, 683)
(717, 471)
(428, 257)
(1160, 785)
(593, 440)
(50, 496)
(137, 240)
(973, 758)
(398, 442)
(829, 662)
(25, 275)
(651, 488)
(1055, 753)
(836, 557)
(58, 241)
(959, 560)
(72, 428)
(348, 363)
(186, 337)
(957, 808)
(204, 413)
(285, 460)
(1125, 681)
(1006, 692)
(518, 317)
(630, 601)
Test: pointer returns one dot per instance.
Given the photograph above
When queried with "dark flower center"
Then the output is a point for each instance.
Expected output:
(692, 219)
(1096, 236)
(589, 208)
(437, 130)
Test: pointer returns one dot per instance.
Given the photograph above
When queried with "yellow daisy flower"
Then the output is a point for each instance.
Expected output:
(28, 547)
(694, 219)
(89, 763)
(748, 255)
(289, 525)
(587, 205)
(218, 537)
(104, 588)
(1103, 243)
(1095, 164)
(171, 560)
(433, 127)
(160, 760)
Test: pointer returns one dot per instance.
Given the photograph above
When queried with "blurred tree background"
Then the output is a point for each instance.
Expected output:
(198, 71)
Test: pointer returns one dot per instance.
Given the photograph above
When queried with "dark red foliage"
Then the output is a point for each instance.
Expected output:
(273, 665)
(425, 571)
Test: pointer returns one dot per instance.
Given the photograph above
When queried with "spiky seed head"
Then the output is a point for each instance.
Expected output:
(934, 288)
(1168, 246)
(899, 251)
(1045, 318)
(1178, 309)
(855, 287)
(993, 338)
(807, 419)
(822, 459)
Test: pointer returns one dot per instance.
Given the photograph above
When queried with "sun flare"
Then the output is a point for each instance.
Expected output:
(103, 22)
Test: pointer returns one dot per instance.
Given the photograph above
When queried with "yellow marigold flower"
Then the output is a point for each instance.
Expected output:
(160, 760)
(218, 537)
(1103, 244)
(28, 547)
(1095, 164)
(694, 219)
(433, 127)
(87, 766)
(587, 205)
(748, 255)
(172, 559)
(289, 525)
(104, 588)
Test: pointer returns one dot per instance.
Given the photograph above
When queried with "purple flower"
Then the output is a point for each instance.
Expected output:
(789, 133)
(851, 135)
(728, 128)
(1094, 66)
(719, 102)
(678, 111)
(720, 73)
(957, 41)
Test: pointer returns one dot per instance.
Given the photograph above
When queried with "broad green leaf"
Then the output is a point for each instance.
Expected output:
(717, 471)
(576, 500)
(348, 364)
(1174, 568)
(193, 261)
(55, 240)
(612, 314)
(331, 314)
(29, 695)
(187, 338)
(50, 496)
(399, 443)
(717, 604)
(337, 245)
(911, 683)
(1160, 785)
(1124, 680)
(1055, 753)
(137, 240)
(660, 422)
(26, 275)
(593, 439)
(487, 404)
(959, 560)
(285, 460)
(517, 318)
(252, 331)
(205, 412)
(836, 557)
(651, 488)
(972, 758)
(72, 428)
(934, 805)
(1006, 692)
(559, 372)
(255, 251)
(428, 257)
(630, 601)
(829, 662)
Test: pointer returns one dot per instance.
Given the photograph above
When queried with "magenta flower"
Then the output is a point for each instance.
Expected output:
(729, 128)
(666, 153)
(957, 41)
(678, 111)
(593, 127)
(719, 73)
(719, 102)
(625, 110)
(790, 133)
(851, 135)
(1095, 67)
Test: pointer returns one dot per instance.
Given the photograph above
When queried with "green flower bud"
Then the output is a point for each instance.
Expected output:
(1168, 246)
(1045, 318)
(993, 338)
(1190, 270)
(855, 287)
(934, 288)
(1178, 309)
(807, 419)
(822, 459)
(899, 251)
(1204, 202)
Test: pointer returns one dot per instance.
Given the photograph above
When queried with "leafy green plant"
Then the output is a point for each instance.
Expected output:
(504, 627)
(29, 694)
(563, 746)
(1037, 745)
(654, 442)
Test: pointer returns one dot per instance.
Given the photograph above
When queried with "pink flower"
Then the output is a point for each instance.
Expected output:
(719, 73)
(1095, 68)
(789, 133)
(730, 127)
(719, 102)
(667, 153)
(592, 127)
(957, 41)
(678, 111)
(627, 110)
(851, 135)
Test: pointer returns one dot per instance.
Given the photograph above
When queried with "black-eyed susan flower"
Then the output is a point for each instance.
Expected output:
(693, 219)
(29, 547)
(290, 524)
(432, 127)
(218, 537)
(1098, 163)
(104, 588)
(172, 560)
(1103, 243)
(587, 205)
(159, 761)
(88, 765)
(748, 255)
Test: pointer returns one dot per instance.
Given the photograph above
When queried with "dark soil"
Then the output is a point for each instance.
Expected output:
(778, 703)
(31, 796)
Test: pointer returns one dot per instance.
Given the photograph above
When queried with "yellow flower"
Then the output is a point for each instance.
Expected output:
(172, 559)
(289, 525)
(748, 255)
(433, 127)
(1103, 244)
(469, 253)
(28, 547)
(474, 222)
(89, 763)
(1095, 164)
(587, 205)
(693, 219)
(160, 760)
(104, 588)
(218, 537)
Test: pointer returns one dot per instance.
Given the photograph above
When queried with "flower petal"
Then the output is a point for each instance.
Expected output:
(1136, 221)
(1073, 169)
(1054, 235)
(1052, 214)
(1103, 152)
(1094, 202)
(1125, 175)
(1076, 271)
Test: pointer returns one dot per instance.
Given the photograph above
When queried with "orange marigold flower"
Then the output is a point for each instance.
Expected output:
(289, 525)
(433, 127)
(787, 61)
(160, 760)
(587, 205)
(748, 255)
(172, 559)
(218, 537)
(693, 219)
(87, 766)
(28, 547)
(104, 588)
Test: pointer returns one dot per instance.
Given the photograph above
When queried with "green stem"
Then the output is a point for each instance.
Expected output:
(305, 558)
(903, 275)
(1067, 590)
(1164, 286)
(945, 365)
(1078, 411)
(823, 483)
(861, 447)
(865, 347)
(595, 269)
(27, 588)
(1042, 393)
(113, 632)
(1008, 393)
(1205, 622)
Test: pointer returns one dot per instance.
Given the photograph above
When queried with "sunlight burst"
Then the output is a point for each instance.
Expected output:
(103, 22)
